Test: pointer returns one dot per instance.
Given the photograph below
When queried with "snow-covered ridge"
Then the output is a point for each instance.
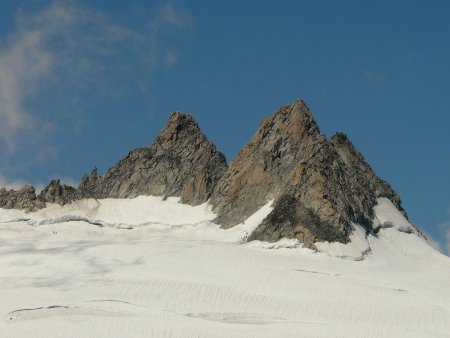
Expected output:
(158, 214)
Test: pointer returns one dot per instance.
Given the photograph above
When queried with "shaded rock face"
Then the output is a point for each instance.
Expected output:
(292, 219)
(24, 198)
(320, 186)
(181, 162)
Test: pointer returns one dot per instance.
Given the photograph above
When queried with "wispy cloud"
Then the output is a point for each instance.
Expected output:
(68, 48)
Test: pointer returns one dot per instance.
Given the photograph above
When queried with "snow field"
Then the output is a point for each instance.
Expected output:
(161, 269)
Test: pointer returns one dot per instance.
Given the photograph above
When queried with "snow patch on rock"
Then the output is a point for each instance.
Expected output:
(388, 216)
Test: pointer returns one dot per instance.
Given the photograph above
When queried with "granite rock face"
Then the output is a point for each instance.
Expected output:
(320, 187)
(24, 198)
(181, 162)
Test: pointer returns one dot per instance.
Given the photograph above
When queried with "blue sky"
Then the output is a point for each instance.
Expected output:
(84, 82)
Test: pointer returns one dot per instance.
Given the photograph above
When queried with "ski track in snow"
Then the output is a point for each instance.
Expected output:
(173, 273)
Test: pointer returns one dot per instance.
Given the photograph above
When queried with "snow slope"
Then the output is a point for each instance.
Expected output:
(146, 267)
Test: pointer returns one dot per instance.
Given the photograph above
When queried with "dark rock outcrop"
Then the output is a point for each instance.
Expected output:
(292, 219)
(24, 198)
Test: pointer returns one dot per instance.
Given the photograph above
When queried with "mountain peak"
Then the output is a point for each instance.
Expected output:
(179, 120)
(294, 121)
(300, 107)
(180, 124)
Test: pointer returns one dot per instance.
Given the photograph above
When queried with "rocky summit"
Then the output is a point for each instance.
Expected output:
(320, 187)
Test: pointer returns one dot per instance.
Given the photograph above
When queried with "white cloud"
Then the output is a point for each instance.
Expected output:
(21, 65)
(68, 46)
